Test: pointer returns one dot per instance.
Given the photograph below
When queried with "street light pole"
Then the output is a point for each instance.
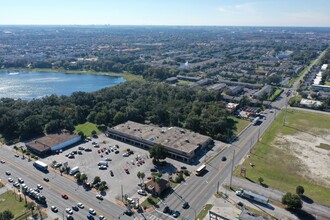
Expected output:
(232, 168)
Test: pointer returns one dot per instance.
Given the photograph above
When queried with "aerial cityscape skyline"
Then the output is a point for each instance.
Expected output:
(196, 13)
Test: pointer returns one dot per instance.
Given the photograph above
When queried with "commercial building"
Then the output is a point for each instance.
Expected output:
(52, 142)
(181, 144)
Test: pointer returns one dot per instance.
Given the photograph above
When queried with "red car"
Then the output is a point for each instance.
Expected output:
(65, 196)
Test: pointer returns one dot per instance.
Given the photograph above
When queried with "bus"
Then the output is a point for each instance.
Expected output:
(40, 165)
(200, 170)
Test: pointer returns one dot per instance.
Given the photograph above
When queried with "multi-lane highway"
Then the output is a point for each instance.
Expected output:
(57, 186)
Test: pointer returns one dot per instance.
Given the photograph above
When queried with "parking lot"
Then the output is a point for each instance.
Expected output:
(88, 164)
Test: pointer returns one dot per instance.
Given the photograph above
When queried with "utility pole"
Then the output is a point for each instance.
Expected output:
(232, 168)
(284, 118)
(122, 194)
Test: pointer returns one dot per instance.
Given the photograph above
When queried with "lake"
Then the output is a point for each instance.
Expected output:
(30, 85)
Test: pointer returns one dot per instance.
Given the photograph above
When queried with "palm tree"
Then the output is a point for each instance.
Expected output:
(30, 206)
(142, 175)
(139, 175)
(39, 210)
(83, 177)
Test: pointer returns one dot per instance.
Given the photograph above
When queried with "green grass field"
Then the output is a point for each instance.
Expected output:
(240, 124)
(10, 201)
(275, 94)
(204, 212)
(185, 82)
(87, 128)
(279, 169)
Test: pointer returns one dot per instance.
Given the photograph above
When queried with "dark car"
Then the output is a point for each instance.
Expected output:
(224, 158)
(111, 173)
(176, 214)
(46, 179)
(128, 212)
(64, 196)
(75, 208)
(166, 209)
(185, 205)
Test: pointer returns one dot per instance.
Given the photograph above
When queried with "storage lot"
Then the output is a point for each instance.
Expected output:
(88, 163)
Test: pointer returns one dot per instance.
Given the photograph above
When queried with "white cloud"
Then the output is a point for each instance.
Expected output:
(249, 7)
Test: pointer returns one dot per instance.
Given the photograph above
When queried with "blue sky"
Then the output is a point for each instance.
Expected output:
(167, 12)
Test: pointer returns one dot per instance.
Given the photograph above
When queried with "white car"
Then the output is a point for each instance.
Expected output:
(10, 180)
(20, 180)
(92, 211)
(40, 186)
(101, 217)
(142, 192)
(80, 205)
(69, 211)
(100, 197)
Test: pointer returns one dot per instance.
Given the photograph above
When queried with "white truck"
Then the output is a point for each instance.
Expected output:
(252, 196)
(256, 121)
(74, 170)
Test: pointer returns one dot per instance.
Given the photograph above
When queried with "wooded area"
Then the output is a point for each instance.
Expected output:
(199, 110)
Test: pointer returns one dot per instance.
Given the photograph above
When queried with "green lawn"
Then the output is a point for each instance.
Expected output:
(327, 83)
(10, 201)
(275, 94)
(279, 169)
(185, 82)
(150, 201)
(87, 128)
(240, 123)
(204, 212)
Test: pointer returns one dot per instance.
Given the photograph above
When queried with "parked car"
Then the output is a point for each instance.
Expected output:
(166, 209)
(8, 173)
(74, 207)
(111, 173)
(92, 211)
(100, 197)
(54, 208)
(142, 192)
(185, 205)
(46, 179)
(80, 205)
(69, 211)
(176, 214)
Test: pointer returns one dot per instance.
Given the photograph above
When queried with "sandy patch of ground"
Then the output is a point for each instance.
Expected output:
(315, 160)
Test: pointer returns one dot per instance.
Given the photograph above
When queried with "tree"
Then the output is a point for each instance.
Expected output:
(141, 175)
(83, 178)
(77, 176)
(260, 180)
(93, 132)
(158, 152)
(6, 215)
(96, 180)
(300, 190)
(292, 201)
(30, 206)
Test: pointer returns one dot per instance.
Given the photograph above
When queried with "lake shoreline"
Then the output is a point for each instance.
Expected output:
(126, 76)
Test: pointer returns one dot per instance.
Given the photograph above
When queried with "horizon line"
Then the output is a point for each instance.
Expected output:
(168, 25)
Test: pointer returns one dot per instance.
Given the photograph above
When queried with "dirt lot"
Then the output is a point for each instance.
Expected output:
(315, 161)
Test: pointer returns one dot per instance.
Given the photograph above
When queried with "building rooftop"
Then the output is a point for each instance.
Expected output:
(46, 142)
(175, 138)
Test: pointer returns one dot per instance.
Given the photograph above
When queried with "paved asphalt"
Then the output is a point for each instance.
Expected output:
(57, 186)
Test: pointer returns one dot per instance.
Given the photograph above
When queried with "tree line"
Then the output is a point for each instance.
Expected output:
(145, 102)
